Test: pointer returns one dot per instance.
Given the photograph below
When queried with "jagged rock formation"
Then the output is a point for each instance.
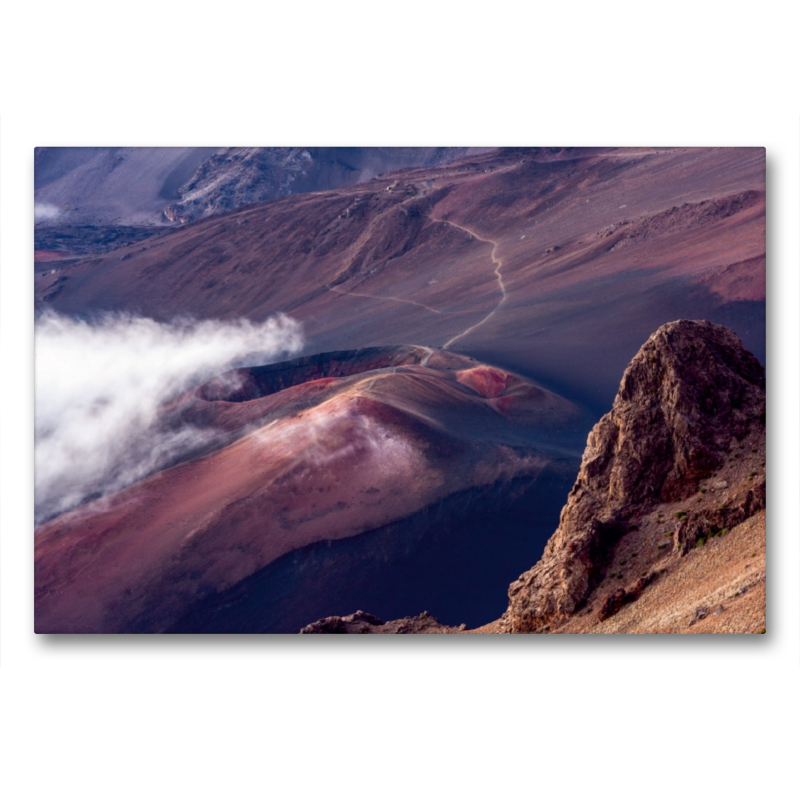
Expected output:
(238, 176)
(684, 448)
(82, 190)
(361, 622)
(687, 402)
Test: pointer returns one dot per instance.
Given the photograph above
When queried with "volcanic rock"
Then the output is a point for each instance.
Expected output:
(239, 176)
(361, 622)
(160, 185)
(688, 400)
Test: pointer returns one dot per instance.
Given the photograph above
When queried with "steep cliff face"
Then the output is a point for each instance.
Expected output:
(690, 407)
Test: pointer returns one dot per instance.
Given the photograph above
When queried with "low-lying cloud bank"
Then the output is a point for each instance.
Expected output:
(100, 385)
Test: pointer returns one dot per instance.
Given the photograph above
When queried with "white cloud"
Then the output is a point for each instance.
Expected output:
(100, 385)
(45, 211)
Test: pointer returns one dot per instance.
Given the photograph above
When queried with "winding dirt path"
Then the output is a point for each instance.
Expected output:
(498, 266)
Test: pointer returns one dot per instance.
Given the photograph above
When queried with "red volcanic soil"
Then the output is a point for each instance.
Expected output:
(486, 381)
(746, 280)
(555, 263)
(326, 448)
(49, 255)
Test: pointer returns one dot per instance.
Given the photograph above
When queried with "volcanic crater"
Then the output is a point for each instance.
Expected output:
(366, 463)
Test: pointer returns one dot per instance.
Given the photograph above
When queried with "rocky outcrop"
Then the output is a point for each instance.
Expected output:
(614, 601)
(238, 176)
(688, 400)
(361, 622)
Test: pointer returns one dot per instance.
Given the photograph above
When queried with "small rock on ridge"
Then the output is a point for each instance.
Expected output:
(361, 622)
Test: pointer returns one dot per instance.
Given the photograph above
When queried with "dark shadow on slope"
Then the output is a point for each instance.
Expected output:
(454, 559)
(579, 348)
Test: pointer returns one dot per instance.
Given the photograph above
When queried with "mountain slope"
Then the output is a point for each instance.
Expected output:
(553, 263)
(162, 185)
(398, 443)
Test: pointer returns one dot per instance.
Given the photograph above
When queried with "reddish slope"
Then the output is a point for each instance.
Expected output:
(360, 440)
(555, 263)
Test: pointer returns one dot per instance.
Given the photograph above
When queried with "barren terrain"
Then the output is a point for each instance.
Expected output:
(323, 449)
(664, 529)
(553, 263)
(466, 322)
